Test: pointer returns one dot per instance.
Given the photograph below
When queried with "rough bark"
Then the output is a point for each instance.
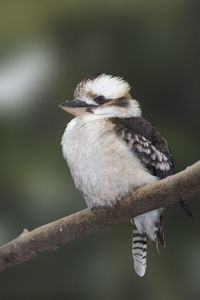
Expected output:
(162, 193)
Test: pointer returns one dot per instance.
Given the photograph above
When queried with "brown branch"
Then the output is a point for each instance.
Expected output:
(57, 233)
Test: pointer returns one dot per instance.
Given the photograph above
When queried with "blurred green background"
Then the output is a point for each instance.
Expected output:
(47, 47)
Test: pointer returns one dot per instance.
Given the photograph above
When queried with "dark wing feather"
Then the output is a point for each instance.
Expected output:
(147, 143)
(149, 146)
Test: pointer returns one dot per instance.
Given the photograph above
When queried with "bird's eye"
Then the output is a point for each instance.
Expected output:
(100, 99)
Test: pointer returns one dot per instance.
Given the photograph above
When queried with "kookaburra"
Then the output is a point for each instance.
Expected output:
(112, 150)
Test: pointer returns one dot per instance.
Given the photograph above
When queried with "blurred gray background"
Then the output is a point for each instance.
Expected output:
(46, 48)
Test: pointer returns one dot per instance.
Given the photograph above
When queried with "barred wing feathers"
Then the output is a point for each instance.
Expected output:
(147, 143)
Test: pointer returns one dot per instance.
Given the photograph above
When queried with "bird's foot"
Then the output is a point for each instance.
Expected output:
(95, 209)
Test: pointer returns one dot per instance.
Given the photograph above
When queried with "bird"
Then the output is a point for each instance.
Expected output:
(111, 150)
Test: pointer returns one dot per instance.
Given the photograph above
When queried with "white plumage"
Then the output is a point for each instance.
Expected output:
(109, 86)
(102, 167)
(106, 165)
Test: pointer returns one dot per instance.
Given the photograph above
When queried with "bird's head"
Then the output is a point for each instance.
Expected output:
(103, 95)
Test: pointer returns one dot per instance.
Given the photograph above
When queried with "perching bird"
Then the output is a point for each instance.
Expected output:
(111, 150)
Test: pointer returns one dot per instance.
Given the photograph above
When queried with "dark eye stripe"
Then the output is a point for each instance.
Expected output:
(100, 99)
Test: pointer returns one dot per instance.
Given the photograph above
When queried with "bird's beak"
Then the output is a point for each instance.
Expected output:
(75, 107)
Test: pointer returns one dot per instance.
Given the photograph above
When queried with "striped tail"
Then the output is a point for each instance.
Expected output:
(139, 252)
(146, 228)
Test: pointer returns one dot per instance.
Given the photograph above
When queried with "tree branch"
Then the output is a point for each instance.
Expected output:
(57, 233)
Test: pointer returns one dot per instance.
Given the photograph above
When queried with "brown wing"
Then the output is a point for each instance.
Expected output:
(149, 146)
(147, 143)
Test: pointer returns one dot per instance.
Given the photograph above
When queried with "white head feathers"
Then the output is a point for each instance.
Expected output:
(111, 88)
(106, 85)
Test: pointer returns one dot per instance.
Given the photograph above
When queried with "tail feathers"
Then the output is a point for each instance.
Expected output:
(184, 206)
(159, 232)
(146, 228)
(139, 252)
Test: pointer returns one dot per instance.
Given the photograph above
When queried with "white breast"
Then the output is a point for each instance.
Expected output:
(102, 166)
